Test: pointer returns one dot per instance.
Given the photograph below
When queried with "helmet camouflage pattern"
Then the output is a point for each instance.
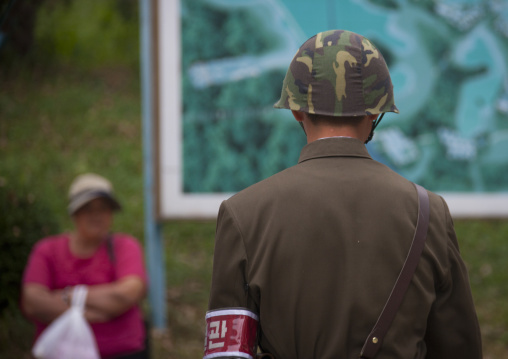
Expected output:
(338, 73)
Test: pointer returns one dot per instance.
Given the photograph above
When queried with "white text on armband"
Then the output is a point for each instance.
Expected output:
(231, 332)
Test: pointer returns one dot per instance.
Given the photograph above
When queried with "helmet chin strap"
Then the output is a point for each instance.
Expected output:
(374, 125)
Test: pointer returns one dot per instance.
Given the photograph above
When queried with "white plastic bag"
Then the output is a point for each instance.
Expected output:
(69, 336)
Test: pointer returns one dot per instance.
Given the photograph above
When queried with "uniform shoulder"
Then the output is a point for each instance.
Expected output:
(438, 203)
(266, 188)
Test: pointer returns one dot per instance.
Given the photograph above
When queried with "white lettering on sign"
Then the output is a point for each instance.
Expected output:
(217, 331)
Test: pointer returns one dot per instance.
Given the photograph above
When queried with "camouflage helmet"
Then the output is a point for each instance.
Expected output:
(338, 73)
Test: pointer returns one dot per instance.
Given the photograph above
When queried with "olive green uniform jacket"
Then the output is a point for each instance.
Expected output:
(316, 249)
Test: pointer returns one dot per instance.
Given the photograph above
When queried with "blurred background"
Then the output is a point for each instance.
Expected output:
(70, 102)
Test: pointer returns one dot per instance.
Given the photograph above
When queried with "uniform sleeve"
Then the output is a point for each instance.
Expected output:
(453, 330)
(38, 269)
(229, 284)
(129, 259)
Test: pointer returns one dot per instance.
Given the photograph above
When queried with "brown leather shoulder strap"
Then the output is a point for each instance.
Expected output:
(377, 335)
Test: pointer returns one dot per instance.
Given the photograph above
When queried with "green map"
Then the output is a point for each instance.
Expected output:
(448, 61)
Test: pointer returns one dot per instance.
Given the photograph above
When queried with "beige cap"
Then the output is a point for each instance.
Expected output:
(87, 187)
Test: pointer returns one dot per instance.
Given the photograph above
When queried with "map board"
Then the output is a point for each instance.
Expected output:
(220, 69)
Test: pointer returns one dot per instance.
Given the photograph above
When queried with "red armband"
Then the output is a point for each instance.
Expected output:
(231, 333)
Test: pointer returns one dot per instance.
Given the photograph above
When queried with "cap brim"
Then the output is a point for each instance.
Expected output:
(80, 200)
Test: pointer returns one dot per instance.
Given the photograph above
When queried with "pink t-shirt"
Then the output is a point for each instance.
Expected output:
(52, 264)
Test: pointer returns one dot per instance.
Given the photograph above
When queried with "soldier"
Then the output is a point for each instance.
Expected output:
(306, 259)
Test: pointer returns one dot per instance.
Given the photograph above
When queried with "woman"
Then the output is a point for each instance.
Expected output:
(111, 265)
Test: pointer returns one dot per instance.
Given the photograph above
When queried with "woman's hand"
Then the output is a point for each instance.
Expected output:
(42, 304)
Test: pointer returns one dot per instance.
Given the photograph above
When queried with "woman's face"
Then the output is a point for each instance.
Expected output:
(93, 221)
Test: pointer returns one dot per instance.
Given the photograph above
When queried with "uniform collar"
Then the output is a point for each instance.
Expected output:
(334, 147)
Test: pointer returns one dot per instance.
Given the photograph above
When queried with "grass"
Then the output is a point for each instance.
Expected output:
(188, 269)
(484, 247)
(62, 122)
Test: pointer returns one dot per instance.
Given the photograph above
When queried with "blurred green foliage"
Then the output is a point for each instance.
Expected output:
(89, 33)
(25, 219)
(86, 34)
(17, 23)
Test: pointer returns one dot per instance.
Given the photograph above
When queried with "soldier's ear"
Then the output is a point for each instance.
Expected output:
(373, 117)
(299, 115)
